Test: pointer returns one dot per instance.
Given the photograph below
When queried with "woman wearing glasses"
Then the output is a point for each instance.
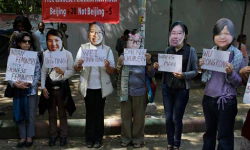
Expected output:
(95, 85)
(132, 92)
(25, 97)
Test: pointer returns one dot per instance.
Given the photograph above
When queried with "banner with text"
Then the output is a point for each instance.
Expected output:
(215, 60)
(93, 57)
(135, 57)
(170, 62)
(55, 59)
(105, 11)
(21, 65)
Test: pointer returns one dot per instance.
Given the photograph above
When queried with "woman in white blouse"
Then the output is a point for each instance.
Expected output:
(95, 85)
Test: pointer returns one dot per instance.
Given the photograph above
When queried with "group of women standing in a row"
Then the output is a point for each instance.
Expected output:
(219, 102)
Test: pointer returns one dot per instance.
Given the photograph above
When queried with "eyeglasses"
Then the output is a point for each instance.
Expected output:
(134, 41)
(25, 41)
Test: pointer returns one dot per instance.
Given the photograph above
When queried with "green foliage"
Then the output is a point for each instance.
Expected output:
(19, 6)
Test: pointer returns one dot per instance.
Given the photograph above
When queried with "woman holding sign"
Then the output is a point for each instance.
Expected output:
(176, 85)
(132, 91)
(219, 101)
(95, 84)
(56, 93)
(25, 97)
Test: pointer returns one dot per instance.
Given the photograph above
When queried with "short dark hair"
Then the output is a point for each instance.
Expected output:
(55, 33)
(176, 24)
(99, 24)
(220, 24)
(20, 36)
(63, 24)
(126, 32)
(241, 37)
(25, 21)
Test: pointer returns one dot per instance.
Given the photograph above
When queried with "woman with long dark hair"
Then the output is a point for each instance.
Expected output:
(176, 85)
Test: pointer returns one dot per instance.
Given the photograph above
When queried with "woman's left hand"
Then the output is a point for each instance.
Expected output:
(58, 70)
(148, 58)
(229, 68)
(106, 63)
(178, 75)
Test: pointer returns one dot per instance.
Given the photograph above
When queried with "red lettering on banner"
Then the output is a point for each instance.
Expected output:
(105, 11)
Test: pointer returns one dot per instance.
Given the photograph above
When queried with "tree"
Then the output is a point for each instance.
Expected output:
(20, 6)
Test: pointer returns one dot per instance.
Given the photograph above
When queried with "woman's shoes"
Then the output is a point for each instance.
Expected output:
(52, 141)
(20, 144)
(89, 144)
(63, 141)
(137, 145)
(29, 142)
(170, 147)
(124, 144)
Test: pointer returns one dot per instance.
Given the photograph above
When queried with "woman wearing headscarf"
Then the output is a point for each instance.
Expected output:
(95, 84)
(219, 101)
(176, 85)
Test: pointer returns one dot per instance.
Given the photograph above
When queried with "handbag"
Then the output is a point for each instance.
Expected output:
(245, 129)
(246, 98)
(9, 91)
(150, 88)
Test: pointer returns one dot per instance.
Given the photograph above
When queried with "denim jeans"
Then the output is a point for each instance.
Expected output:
(219, 120)
(175, 101)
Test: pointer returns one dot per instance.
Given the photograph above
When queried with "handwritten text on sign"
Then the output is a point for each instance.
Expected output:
(106, 11)
(135, 57)
(21, 65)
(215, 60)
(170, 62)
(55, 59)
(93, 57)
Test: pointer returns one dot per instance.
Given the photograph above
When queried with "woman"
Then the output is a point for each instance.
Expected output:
(95, 85)
(219, 101)
(242, 38)
(245, 132)
(22, 23)
(132, 92)
(176, 85)
(25, 97)
(56, 94)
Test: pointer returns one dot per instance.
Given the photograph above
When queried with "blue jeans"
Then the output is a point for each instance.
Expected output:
(221, 120)
(175, 101)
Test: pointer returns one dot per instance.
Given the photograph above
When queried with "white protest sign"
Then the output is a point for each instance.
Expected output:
(215, 60)
(21, 65)
(93, 57)
(170, 62)
(55, 59)
(135, 57)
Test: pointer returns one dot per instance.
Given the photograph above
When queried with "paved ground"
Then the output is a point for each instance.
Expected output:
(190, 141)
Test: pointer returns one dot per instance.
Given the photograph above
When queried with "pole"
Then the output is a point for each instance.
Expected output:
(142, 20)
(27, 9)
(170, 16)
(243, 22)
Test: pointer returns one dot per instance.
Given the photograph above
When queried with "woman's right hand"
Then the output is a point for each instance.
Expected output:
(79, 63)
(45, 93)
(201, 62)
(21, 85)
(120, 61)
(156, 65)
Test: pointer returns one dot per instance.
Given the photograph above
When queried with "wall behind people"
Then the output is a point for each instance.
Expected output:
(198, 15)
